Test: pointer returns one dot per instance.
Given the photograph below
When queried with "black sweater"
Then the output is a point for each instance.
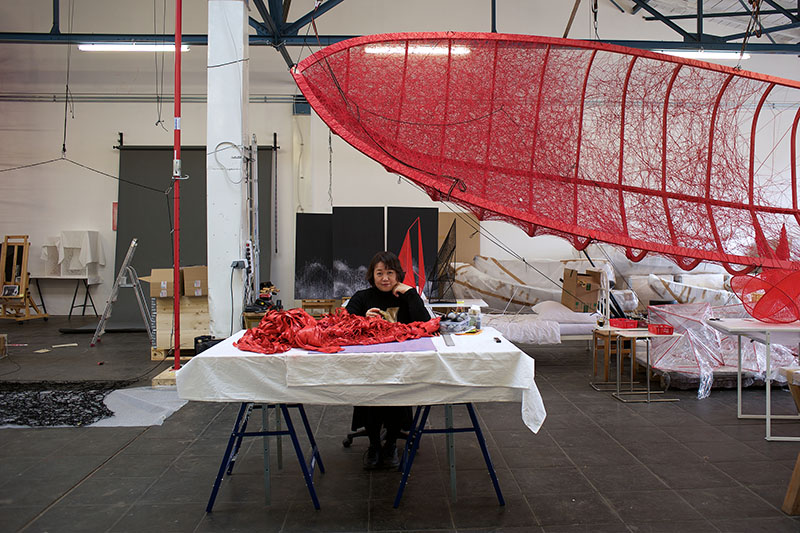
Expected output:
(411, 307)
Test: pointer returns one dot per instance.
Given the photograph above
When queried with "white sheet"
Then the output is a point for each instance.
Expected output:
(476, 369)
(142, 406)
(524, 329)
(576, 329)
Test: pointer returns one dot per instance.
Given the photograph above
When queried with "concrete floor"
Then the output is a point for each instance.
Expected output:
(596, 465)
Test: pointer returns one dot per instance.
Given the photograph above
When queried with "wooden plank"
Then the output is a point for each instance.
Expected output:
(793, 380)
(165, 378)
(160, 354)
(791, 503)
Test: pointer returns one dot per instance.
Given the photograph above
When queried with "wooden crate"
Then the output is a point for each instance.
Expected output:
(194, 321)
(251, 320)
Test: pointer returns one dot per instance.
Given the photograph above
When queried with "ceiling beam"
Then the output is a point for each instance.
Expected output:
(191, 39)
(660, 16)
(753, 48)
(718, 14)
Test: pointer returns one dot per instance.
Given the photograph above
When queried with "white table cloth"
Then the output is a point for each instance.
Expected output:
(476, 369)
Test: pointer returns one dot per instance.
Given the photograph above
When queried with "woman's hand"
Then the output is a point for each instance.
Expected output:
(400, 288)
(374, 313)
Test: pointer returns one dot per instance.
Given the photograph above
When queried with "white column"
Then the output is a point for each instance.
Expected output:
(228, 95)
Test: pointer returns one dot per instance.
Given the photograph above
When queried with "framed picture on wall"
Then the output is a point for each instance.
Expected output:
(10, 290)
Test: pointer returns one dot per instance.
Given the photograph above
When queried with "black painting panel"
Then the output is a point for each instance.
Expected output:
(357, 236)
(145, 212)
(313, 260)
(398, 221)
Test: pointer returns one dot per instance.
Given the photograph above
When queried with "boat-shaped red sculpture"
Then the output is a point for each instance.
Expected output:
(589, 141)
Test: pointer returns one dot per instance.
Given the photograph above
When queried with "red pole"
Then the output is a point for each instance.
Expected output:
(176, 188)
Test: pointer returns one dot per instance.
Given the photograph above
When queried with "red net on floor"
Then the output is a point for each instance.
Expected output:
(579, 139)
(279, 331)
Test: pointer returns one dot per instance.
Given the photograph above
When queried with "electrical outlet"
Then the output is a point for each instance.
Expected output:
(237, 264)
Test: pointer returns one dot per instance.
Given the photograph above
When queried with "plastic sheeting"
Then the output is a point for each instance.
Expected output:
(701, 350)
(502, 293)
(684, 293)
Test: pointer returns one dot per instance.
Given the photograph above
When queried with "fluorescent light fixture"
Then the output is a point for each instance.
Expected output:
(420, 49)
(705, 54)
(130, 47)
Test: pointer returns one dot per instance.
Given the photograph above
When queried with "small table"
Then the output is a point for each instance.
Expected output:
(634, 334)
(765, 334)
(87, 297)
(606, 333)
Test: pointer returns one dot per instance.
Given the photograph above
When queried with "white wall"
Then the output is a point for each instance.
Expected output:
(41, 201)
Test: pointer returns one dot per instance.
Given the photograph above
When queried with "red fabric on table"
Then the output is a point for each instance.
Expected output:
(279, 331)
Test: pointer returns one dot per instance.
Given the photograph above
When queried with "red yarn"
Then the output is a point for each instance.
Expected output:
(771, 296)
(280, 331)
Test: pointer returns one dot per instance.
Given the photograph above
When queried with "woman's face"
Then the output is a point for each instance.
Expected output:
(385, 279)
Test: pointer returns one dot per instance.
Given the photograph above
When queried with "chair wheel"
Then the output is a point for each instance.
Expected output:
(347, 442)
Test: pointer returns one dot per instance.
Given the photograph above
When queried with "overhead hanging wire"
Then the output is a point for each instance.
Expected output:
(69, 105)
(330, 167)
(753, 27)
(159, 70)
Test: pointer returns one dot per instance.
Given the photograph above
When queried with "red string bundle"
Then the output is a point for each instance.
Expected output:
(280, 331)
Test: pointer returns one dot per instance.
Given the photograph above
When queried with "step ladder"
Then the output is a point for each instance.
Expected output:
(127, 278)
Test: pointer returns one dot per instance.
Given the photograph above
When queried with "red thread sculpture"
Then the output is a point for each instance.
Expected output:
(580, 139)
(279, 331)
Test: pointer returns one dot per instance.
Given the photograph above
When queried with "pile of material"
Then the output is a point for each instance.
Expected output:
(55, 404)
(279, 331)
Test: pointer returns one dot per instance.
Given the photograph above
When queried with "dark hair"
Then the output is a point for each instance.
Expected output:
(390, 261)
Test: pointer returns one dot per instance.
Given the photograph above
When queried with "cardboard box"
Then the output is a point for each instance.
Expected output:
(580, 292)
(195, 280)
(161, 283)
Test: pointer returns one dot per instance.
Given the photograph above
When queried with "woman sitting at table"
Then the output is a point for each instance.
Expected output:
(389, 299)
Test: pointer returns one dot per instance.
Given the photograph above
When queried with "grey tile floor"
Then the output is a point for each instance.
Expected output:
(597, 464)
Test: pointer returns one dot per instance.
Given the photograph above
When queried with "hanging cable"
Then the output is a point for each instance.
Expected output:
(594, 19)
(753, 27)
(159, 71)
(69, 105)
(330, 168)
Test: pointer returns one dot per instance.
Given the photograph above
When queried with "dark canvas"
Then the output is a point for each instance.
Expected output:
(313, 260)
(357, 236)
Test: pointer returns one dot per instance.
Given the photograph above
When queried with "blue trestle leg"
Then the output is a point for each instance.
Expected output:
(414, 437)
(238, 445)
(239, 432)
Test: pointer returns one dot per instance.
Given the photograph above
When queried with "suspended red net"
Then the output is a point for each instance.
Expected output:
(588, 141)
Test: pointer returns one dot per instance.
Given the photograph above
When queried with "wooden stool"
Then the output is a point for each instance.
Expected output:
(601, 339)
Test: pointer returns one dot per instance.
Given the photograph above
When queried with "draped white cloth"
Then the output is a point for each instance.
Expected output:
(476, 369)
